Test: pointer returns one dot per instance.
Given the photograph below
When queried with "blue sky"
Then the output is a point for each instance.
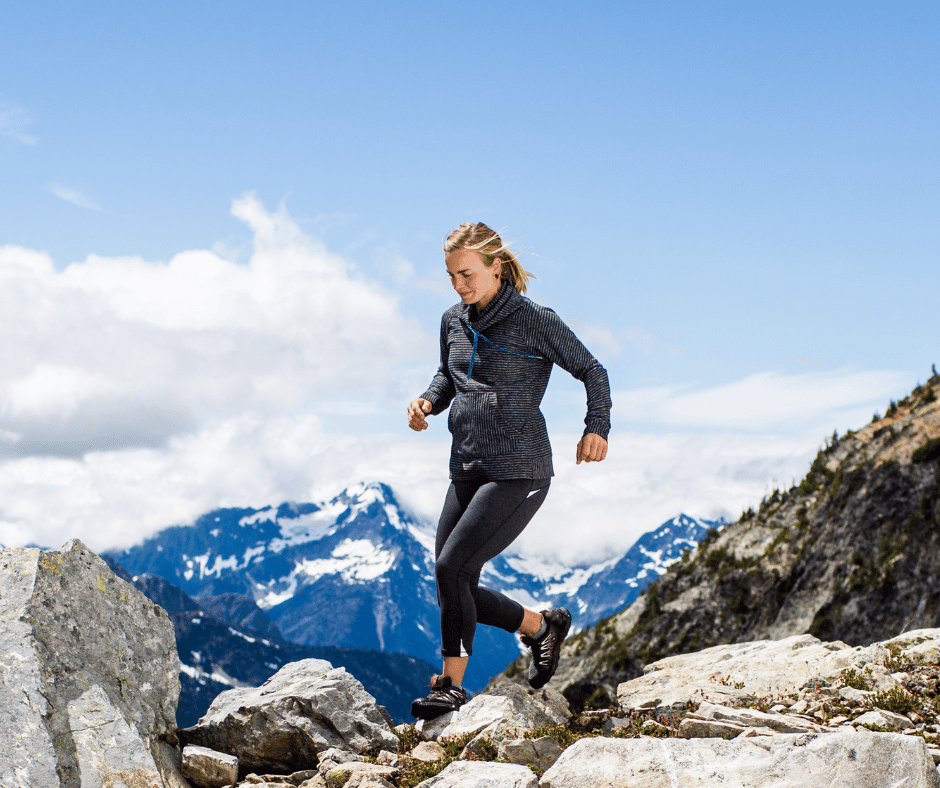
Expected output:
(221, 225)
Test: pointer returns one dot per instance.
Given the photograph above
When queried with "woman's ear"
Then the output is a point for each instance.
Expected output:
(498, 265)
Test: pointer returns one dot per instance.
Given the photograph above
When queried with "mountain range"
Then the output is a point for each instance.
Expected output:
(358, 572)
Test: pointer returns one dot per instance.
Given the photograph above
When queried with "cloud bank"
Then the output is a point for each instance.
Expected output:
(121, 353)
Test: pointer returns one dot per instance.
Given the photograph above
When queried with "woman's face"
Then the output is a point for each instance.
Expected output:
(473, 281)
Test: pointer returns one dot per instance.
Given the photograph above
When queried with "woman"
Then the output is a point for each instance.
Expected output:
(497, 352)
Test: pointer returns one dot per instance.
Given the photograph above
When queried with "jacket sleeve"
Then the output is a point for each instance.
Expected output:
(442, 389)
(557, 343)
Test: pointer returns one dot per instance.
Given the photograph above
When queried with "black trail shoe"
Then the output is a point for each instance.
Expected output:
(547, 649)
(442, 698)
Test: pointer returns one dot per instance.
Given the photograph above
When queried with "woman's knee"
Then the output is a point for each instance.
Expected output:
(455, 574)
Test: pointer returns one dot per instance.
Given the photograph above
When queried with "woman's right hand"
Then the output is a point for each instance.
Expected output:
(416, 410)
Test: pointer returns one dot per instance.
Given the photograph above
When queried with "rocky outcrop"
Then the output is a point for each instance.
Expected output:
(849, 554)
(89, 675)
(797, 712)
(89, 683)
(305, 708)
(772, 669)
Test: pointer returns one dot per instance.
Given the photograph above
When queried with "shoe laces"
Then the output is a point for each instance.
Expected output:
(542, 650)
(443, 689)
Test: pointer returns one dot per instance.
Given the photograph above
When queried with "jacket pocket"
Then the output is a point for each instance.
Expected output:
(475, 423)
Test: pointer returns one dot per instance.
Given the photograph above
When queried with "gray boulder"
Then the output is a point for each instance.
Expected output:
(752, 718)
(539, 753)
(503, 713)
(306, 708)
(208, 768)
(836, 760)
(89, 675)
(884, 719)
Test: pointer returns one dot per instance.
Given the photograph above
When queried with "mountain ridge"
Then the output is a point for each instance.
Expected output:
(358, 571)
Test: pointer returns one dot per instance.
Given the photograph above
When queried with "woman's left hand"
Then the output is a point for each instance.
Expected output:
(591, 448)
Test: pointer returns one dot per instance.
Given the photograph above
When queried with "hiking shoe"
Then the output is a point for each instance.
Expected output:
(547, 649)
(442, 698)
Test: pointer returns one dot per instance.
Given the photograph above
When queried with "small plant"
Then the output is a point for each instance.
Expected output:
(895, 663)
(852, 678)
(562, 735)
(408, 738)
(896, 700)
(453, 745)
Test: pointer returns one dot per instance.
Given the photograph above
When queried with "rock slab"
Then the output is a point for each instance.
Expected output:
(209, 769)
(89, 675)
(765, 668)
(505, 712)
(306, 708)
(479, 774)
(851, 759)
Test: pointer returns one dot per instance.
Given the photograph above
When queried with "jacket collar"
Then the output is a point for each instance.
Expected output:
(504, 303)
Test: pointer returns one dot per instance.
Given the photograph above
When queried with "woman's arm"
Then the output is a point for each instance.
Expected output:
(558, 344)
(438, 395)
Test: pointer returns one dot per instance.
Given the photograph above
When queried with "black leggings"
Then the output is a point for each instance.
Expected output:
(480, 519)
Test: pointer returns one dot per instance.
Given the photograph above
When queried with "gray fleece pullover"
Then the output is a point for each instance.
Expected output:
(497, 427)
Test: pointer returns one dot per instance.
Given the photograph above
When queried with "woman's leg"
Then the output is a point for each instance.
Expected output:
(478, 522)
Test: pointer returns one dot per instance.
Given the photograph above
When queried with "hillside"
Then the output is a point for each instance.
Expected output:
(851, 553)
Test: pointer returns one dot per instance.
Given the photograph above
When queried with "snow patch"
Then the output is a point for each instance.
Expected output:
(355, 560)
(264, 516)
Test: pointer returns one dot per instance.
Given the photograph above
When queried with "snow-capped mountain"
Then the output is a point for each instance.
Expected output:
(359, 571)
(591, 592)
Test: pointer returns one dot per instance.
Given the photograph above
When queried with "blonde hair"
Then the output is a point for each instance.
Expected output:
(487, 243)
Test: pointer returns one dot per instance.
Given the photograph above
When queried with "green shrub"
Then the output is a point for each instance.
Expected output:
(929, 451)
(852, 678)
(561, 734)
(896, 700)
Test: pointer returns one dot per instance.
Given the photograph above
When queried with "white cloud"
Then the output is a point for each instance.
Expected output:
(116, 498)
(15, 122)
(74, 196)
(765, 401)
(122, 352)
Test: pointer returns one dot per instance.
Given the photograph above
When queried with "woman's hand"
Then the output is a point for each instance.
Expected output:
(416, 410)
(591, 448)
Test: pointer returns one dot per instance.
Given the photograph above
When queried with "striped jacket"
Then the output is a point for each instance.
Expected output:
(495, 366)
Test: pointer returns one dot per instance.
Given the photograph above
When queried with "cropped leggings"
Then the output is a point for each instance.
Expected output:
(480, 519)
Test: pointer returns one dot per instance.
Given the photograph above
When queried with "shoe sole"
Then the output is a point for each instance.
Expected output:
(422, 711)
(538, 682)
